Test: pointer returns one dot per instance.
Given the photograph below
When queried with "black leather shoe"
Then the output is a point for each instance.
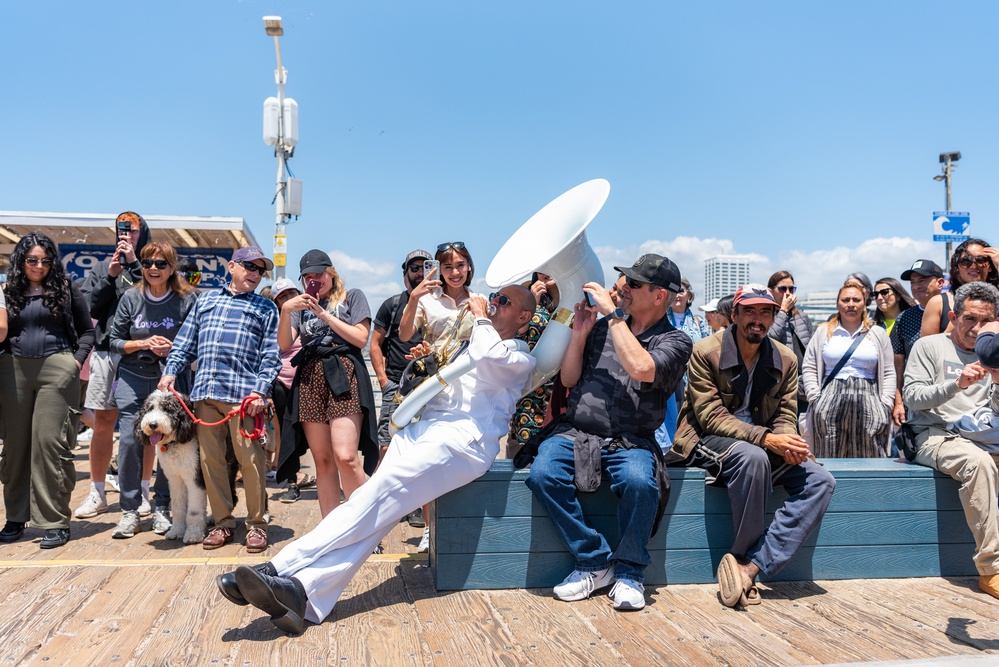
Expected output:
(230, 590)
(54, 537)
(12, 531)
(283, 598)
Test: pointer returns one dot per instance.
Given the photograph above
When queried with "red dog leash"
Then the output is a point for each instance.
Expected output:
(259, 424)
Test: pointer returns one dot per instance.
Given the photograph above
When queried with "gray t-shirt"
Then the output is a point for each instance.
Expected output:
(140, 316)
(313, 331)
(931, 392)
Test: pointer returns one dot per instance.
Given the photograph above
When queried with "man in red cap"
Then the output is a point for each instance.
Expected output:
(739, 423)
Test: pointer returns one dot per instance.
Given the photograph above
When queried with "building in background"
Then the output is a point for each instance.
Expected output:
(724, 274)
(818, 306)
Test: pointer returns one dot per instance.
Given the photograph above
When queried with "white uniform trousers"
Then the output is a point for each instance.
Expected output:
(423, 462)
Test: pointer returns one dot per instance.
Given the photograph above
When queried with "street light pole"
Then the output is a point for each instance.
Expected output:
(948, 160)
(272, 24)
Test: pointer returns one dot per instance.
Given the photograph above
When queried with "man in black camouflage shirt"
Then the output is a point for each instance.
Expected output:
(620, 371)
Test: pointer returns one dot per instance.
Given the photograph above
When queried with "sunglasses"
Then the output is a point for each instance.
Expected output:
(501, 299)
(150, 263)
(192, 277)
(34, 261)
(457, 245)
(784, 289)
(253, 268)
(415, 268)
(884, 292)
(634, 284)
(968, 261)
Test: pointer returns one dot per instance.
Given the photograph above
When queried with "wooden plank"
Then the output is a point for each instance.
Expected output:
(691, 531)
(374, 622)
(459, 628)
(686, 566)
(865, 494)
(548, 630)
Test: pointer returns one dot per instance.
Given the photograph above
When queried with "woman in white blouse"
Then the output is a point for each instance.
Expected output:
(849, 414)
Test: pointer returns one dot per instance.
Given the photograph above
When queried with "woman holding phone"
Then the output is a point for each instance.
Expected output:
(331, 397)
(434, 306)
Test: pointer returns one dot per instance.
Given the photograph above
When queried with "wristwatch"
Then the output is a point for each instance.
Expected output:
(616, 314)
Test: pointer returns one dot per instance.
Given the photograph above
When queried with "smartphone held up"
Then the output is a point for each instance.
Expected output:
(432, 271)
(313, 286)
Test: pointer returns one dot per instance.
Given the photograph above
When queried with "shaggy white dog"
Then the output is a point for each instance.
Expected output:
(164, 424)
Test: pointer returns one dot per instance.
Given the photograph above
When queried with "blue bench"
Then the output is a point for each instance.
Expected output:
(886, 519)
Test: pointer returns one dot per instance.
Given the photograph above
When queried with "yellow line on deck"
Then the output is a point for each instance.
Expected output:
(232, 560)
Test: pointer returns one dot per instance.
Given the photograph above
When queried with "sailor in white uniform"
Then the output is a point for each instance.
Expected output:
(455, 442)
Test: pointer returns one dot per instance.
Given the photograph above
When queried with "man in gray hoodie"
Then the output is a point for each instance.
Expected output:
(103, 287)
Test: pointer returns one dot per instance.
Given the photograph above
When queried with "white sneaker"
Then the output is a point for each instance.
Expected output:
(161, 521)
(128, 526)
(85, 435)
(144, 508)
(580, 585)
(111, 483)
(95, 504)
(628, 595)
(425, 542)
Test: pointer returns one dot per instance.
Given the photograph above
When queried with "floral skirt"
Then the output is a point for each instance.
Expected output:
(316, 402)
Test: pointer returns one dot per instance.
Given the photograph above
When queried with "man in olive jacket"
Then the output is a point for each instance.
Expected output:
(739, 423)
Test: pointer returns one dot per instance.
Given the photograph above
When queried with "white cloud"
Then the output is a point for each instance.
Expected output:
(816, 270)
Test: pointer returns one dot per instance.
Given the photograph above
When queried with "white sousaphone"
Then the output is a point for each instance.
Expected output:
(554, 242)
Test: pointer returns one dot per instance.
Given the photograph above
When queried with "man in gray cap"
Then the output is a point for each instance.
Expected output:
(620, 371)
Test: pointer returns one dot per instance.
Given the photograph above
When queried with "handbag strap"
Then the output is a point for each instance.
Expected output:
(845, 358)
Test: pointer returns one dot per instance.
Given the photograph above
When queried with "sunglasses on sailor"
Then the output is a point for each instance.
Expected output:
(150, 263)
(501, 299)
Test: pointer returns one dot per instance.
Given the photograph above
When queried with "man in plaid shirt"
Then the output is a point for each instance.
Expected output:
(232, 334)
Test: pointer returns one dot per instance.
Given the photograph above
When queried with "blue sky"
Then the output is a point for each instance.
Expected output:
(803, 134)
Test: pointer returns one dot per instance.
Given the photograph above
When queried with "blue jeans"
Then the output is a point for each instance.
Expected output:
(130, 391)
(632, 479)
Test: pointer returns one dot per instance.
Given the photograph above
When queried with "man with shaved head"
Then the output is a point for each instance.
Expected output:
(454, 442)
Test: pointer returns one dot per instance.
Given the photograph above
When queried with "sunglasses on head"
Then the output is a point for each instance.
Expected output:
(968, 261)
(253, 268)
(884, 292)
(501, 299)
(784, 289)
(192, 277)
(34, 261)
(457, 245)
(150, 263)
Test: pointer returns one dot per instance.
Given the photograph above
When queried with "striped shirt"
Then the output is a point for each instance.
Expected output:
(233, 337)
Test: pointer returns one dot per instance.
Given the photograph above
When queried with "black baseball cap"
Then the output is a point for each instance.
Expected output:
(655, 270)
(924, 267)
(314, 261)
(416, 254)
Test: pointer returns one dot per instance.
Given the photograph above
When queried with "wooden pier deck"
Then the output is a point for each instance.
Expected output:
(146, 601)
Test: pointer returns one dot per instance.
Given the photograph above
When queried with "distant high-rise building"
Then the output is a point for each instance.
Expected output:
(724, 274)
(818, 306)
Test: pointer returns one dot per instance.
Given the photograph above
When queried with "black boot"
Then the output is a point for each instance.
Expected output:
(12, 531)
(283, 598)
(230, 590)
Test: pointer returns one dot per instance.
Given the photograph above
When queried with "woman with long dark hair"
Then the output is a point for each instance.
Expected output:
(791, 326)
(973, 261)
(50, 336)
(849, 379)
(331, 395)
(891, 299)
(147, 320)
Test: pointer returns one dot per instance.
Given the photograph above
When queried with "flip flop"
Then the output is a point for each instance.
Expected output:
(750, 596)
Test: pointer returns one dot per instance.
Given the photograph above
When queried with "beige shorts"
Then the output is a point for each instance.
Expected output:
(100, 389)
